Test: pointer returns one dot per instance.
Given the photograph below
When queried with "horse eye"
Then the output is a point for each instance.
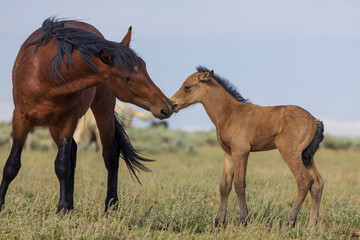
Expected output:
(127, 79)
(187, 88)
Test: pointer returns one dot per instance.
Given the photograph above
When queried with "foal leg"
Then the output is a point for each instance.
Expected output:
(240, 160)
(225, 188)
(20, 128)
(303, 180)
(315, 191)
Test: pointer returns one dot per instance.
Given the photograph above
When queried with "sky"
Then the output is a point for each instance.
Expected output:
(277, 52)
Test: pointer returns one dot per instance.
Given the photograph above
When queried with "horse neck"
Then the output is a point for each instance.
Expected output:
(218, 104)
(79, 79)
(73, 86)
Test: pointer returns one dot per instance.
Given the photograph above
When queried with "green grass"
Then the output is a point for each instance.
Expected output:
(179, 199)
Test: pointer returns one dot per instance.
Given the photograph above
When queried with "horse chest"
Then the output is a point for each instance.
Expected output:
(53, 111)
(223, 141)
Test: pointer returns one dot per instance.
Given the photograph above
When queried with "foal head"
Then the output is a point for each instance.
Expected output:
(133, 84)
(192, 90)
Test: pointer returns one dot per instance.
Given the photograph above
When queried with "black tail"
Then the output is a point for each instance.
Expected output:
(309, 152)
(126, 151)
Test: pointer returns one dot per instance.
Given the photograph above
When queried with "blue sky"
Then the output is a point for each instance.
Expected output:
(305, 53)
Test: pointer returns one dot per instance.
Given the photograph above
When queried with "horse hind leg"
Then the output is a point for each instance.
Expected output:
(71, 181)
(304, 180)
(308, 159)
(20, 129)
(65, 166)
(304, 183)
(316, 191)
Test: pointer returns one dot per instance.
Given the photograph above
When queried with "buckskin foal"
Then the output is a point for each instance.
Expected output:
(243, 127)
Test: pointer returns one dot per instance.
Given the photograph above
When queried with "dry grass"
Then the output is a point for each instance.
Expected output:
(179, 199)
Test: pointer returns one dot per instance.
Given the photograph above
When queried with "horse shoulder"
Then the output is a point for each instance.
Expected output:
(232, 131)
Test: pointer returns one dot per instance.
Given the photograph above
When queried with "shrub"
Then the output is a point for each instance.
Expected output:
(341, 143)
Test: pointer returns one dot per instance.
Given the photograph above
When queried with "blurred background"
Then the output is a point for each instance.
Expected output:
(305, 53)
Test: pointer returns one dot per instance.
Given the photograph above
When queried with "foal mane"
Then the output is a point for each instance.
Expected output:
(70, 38)
(225, 84)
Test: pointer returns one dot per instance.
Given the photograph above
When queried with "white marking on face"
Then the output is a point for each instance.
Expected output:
(136, 68)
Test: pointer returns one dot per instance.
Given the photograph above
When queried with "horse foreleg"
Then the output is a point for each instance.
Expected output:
(111, 159)
(225, 189)
(103, 110)
(20, 127)
(240, 159)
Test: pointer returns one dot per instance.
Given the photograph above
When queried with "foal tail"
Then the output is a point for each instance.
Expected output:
(126, 151)
(309, 152)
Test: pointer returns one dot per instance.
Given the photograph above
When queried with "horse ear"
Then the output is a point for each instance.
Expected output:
(207, 76)
(127, 38)
(106, 58)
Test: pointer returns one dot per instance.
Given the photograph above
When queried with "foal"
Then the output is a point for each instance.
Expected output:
(242, 127)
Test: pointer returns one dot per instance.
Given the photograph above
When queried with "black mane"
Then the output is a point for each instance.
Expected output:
(225, 84)
(69, 38)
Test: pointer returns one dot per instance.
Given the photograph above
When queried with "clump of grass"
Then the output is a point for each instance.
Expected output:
(341, 143)
(179, 199)
(5, 133)
(156, 140)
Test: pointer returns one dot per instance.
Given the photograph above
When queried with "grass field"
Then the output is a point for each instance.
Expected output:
(179, 199)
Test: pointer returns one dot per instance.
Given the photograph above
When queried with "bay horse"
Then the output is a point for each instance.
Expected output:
(243, 127)
(63, 69)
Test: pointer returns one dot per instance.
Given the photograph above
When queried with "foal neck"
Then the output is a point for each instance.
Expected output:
(218, 103)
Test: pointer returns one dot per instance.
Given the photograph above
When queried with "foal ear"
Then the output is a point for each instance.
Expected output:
(127, 38)
(106, 57)
(207, 76)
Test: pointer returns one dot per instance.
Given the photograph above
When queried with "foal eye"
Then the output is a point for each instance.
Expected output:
(187, 88)
(127, 79)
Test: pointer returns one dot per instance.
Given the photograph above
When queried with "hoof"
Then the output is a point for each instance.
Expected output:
(217, 223)
(64, 208)
(290, 223)
(111, 204)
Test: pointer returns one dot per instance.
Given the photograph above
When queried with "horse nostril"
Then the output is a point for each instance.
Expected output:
(164, 113)
(174, 106)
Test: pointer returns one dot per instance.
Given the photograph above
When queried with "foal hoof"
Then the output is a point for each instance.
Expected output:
(290, 223)
(217, 223)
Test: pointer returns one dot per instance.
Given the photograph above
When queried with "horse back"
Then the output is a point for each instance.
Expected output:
(33, 80)
(258, 126)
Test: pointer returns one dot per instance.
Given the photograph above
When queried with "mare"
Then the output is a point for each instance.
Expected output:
(243, 127)
(63, 69)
